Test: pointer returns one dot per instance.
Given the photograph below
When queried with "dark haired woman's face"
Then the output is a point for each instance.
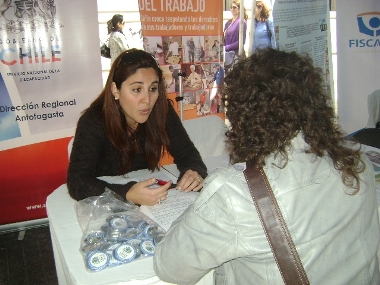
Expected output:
(138, 95)
(121, 25)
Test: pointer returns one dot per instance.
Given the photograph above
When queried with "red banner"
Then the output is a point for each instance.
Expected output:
(50, 71)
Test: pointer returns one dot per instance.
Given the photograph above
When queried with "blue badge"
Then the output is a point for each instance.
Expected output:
(97, 260)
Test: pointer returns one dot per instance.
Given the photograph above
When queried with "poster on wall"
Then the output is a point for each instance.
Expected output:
(358, 43)
(303, 27)
(48, 76)
(186, 39)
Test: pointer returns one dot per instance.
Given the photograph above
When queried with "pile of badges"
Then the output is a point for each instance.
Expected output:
(122, 238)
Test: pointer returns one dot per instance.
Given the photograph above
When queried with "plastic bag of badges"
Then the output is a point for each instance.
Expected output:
(114, 232)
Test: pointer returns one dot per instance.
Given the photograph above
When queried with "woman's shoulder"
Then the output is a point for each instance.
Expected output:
(92, 115)
(116, 34)
(218, 180)
(228, 23)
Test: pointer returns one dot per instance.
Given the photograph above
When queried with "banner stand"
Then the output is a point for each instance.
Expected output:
(22, 226)
(179, 98)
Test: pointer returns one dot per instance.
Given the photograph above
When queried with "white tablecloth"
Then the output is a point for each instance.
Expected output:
(66, 235)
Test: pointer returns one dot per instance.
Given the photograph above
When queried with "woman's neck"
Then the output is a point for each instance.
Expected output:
(234, 18)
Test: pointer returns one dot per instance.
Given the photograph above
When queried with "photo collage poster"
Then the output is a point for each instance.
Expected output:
(187, 42)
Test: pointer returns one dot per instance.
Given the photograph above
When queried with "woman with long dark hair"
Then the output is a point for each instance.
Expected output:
(127, 128)
(117, 39)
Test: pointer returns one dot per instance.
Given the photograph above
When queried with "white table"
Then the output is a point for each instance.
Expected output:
(66, 235)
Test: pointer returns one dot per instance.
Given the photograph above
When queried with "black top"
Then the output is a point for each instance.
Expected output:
(93, 155)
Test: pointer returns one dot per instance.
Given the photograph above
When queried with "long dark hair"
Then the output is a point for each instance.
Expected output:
(112, 24)
(274, 95)
(121, 135)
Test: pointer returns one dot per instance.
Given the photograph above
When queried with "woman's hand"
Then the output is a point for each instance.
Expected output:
(190, 181)
(141, 194)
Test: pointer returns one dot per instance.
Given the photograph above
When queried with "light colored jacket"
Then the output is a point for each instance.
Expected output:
(261, 38)
(336, 234)
(118, 44)
(373, 102)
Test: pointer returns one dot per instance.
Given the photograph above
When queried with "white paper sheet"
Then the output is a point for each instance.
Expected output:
(169, 210)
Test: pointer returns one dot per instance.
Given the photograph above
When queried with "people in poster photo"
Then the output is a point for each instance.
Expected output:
(171, 74)
(216, 103)
(213, 47)
(190, 49)
(194, 79)
(172, 50)
(203, 102)
(189, 100)
(193, 46)
(153, 45)
(201, 56)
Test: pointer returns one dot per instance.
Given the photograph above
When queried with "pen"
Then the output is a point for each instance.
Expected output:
(163, 182)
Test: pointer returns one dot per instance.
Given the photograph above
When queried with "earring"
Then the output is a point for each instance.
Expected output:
(116, 99)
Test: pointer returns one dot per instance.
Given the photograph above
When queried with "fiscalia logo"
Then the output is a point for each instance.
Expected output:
(369, 25)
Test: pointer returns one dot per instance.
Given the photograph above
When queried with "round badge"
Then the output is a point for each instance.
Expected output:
(109, 218)
(119, 224)
(134, 220)
(125, 252)
(94, 237)
(136, 244)
(129, 234)
(109, 250)
(151, 231)
(97, 260)
(147, 247)
(112, 235)
(88, 247)
(142, 225)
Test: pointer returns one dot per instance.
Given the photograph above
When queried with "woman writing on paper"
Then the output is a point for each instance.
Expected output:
(127, 128)
(117, 39)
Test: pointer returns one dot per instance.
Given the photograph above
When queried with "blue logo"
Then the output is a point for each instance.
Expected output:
(369, 23)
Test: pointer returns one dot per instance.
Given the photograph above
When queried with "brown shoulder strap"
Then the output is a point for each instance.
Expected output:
(279, 238)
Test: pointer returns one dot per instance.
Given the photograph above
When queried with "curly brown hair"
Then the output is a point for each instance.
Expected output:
(265, 12)
(274, 95)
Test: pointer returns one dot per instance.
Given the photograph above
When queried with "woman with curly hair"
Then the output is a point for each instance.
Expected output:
(282, 122)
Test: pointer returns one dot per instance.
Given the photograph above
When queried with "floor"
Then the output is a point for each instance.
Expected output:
(28, 260)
